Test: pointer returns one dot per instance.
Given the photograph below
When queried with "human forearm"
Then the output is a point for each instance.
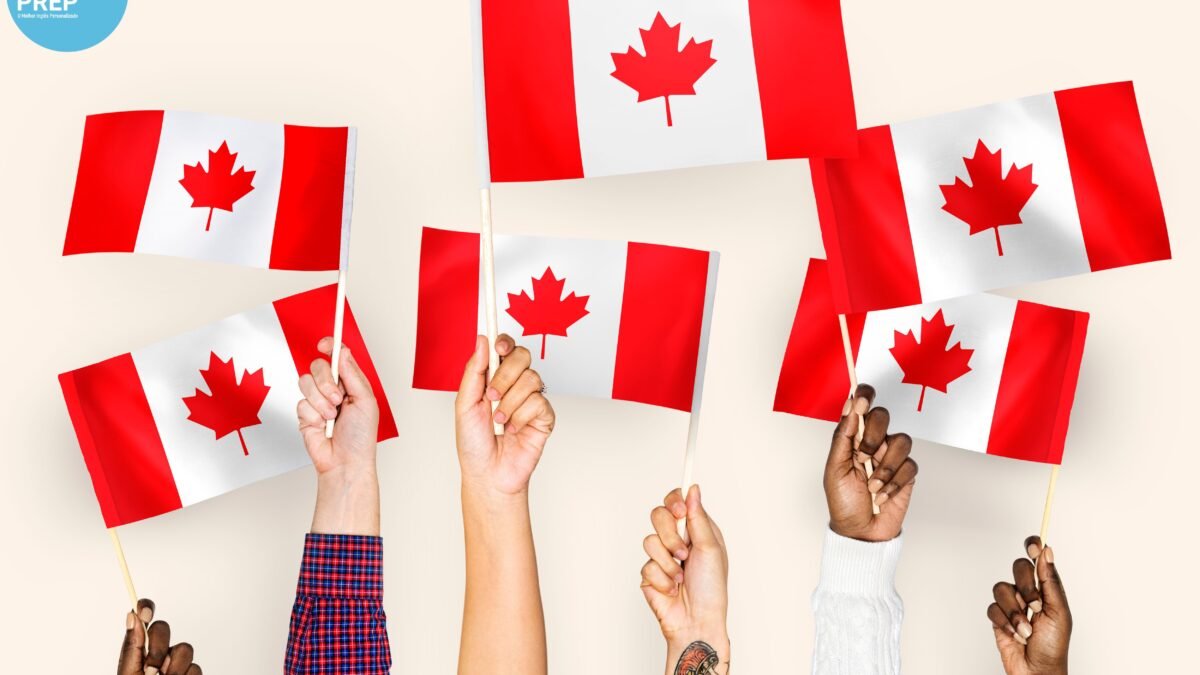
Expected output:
(701, 652)
(503, 629)
(347, 502)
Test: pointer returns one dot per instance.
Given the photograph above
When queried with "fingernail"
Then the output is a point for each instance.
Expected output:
(145, 614)
(500, 417)
(679, 578)
(1020, 640)
(1049, 553)
(493, 394)
(678, 510)
(151, 670)
(681, 554)
(129, 619)
(874, 485)
(1036, 606)
(1032, 550)
(860, 406)
(1025, 630)
(1021, 603)
(881, 497)
(166, 666)
(862, 457)
(336, 397)
(846, 407)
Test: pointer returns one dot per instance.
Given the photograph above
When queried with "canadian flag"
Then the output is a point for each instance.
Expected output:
(187, 184)
(205, 412)
(575, 88)
(601, 318)
(981, 372)
(1005, 194)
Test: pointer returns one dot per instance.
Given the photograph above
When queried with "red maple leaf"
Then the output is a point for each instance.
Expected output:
(230, 405)
(992, 199)
(547, 312)
(927, 361)
(665, 70)
(219, 187)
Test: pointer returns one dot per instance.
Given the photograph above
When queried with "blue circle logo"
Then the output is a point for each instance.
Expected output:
(67, 25)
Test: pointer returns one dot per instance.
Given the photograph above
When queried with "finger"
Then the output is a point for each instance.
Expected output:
(656, 578)
(194, 670)
(898, 448)
(308, 415)
(179, 661)
(1033, 546)
(505, 344)
(867, 393)
(904, 477)
(1005, 595)
(1026, 586)
(1054, 596)
(699, 527)
(312, 394)
(470, 390)
(322, 373)
(876, 422)
(664, 526)
(506, 375)
(159, 641)
(1002, 626)
(132, 646)
(675, 504)
(662, 557)
(536, 411)
(527, 383)
(353, 378)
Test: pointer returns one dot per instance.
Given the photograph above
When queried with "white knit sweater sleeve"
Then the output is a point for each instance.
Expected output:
(857, 610)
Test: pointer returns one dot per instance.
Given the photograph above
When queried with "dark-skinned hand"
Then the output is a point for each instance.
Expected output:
(1037, 646)
(148, 651)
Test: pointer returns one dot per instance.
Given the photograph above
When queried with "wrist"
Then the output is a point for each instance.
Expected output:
(480, 493)
(699, 646)
(347, 501)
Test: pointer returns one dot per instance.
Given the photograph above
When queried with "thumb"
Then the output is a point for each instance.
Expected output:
(470, 391)
(353, 378)
(1054, 596)
(133, 647)
(699, 526)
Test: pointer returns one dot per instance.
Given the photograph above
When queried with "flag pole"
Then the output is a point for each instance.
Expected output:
(116, 542)
(689, 457)
(867, 465)
(486, 249)
(339, 310)
(1049, 502)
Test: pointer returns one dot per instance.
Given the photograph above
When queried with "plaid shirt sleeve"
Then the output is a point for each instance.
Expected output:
(338, 624)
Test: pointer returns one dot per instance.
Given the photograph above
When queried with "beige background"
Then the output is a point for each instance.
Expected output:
(223, 572)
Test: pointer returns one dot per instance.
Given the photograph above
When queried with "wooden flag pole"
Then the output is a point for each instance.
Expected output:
(867, 465)
(689, 457)
(339, 310)
(488, 258)
(1049, 501)
(116, 542)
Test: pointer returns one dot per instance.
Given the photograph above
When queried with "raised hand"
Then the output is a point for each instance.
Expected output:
(347, 482)
(686, 585)
(1038, 646)
(501, 464)
(847, 489)
(159, 656)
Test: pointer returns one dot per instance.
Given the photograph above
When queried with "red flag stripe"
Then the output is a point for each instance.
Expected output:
(864, 224)
(814, 380)
(299, 317)
(1037, 383)
(447, 307)
(115, 166)
(1115, 191)
(789, 37)
(308, 218)
(538, 141)
(120, 443)
(662, 312)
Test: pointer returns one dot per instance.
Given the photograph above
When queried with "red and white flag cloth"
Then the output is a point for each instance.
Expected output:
(981, 372)
(609, 319)
(576, 88)
(1005, 194)
(216, 188)
(205, 412)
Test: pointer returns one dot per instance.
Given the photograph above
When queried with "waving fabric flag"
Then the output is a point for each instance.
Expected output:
(601, 318)
(216, 188)
(205, 412)
(577, 88)
(982, 372)
(1005, 194)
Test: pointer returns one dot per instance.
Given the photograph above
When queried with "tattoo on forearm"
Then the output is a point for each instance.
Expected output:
(699, 658)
